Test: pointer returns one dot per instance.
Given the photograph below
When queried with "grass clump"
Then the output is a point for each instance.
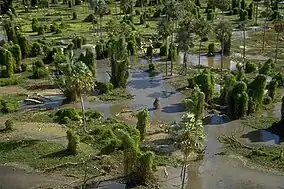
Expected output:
(9, 125)
(63, 115)
(9, 106)
(12, 81)
(73, 142)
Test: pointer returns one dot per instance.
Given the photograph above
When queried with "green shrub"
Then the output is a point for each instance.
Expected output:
(173, 55)
(24, 67)
(73, 142)
(104, 87)
(69, 4)
(39, 70)
(77, 2)
(157, 14)
(250, 67)
(147, 25)
(272, 86)
(91, 18)
(163, 50)
(36, 49)
(243, 15)
(266, 68)
(267, 100)
(131, 47)
(137, 12)
(100, 50)
(53, 27)
(152, 67)
(142, 19)
(11, 81)
(9, 106)
(280, 79)
(35, 25)
(210, 15)
(41, 30)
(24, 45)
(70, 113)
(9, 125)
(74, 16)
(149, 51)
(93, 115)
(211, 49)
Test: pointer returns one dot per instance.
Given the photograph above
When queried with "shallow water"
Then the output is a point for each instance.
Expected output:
(262, 136)
(209, 61)
(54, 101)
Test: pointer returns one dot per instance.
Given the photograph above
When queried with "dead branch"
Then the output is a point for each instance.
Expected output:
(232, 142)
(61, 166)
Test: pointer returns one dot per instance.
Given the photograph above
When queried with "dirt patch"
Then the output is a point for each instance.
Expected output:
(12, 90)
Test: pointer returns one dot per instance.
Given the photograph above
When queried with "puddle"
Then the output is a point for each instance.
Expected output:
(211, 61)
(50, 102)
(215, 119)
(111, 185)
(263, 136)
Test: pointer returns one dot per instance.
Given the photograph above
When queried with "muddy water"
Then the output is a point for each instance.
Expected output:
(145, 90)
(220, 172)
(209, 61)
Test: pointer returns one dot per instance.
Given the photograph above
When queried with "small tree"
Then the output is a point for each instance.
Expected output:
(75, 81)
(279, 28)
(142, 122)
(73, 142)
(223, 32)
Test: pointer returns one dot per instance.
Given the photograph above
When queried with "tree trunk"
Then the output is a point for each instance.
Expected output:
(184, 173)
(167, 56)
(199, 52)
(244, 49)
(83, 114)
(276, 50)
(172, 53)
(185, 63)
(256, 12)
(101, 20)
(264, 30)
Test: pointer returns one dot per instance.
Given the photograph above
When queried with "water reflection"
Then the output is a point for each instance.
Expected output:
(211, 61)
(262, 136)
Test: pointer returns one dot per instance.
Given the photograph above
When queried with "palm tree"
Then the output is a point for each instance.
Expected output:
(223, 32)
(267, 5)
(256, 11)
(165, 29)
(184, 39)
(75, 81)
(100, 9)
(279, 28)
(202, 28)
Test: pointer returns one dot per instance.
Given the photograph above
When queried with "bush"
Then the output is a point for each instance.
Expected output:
(137, 12)
(9, 106)
(11, 81)
(149, 51)
(142, 19)
(70, 113)
(210, 15)
(280, 79)
(9, 124)
(53, 27)
(266, 68)
(73, 142)
(164, 50)
(24, 45)
(267, 100)
(131, 47)
(35, 25)
(77, 2)
(272, 86)
(104, 87)
(24, 67)
(74, 16)
(99, 50)
(91, 18)
(147, 25)
(36, 49)
(39, 70)
(250, 67)
(243, 15)
(235, 11)
(152, 67)
(41, 30)
(93, 115)
(211, 49)
(173, 54)
(157, 14)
